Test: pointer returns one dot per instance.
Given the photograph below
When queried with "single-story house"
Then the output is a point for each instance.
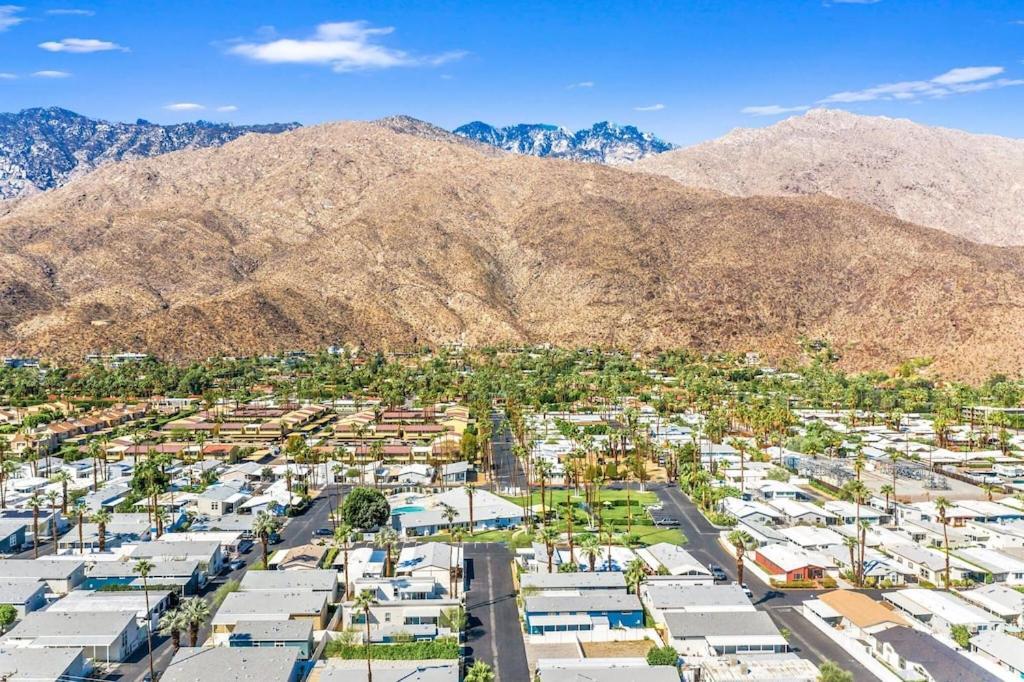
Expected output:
(25, 596)
(324, 581)
(60, 575)
(1005, 651)
(917, 655)
(58, 665)
(675, 561)
(586, 612)
(182, 577)
(264, 605)
(999, 600)
(789, 563)
(571, 583)
(235, 664)
(700, 634)
(274, 633)
(104, 636)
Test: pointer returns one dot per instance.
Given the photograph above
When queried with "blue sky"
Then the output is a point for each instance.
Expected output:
(687, 71)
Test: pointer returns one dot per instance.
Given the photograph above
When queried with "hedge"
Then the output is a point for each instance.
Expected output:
(405, 651)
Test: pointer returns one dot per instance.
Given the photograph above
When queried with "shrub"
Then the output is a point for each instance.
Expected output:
(445, 647)
(365, 508)
(665, 655)
(224, 590)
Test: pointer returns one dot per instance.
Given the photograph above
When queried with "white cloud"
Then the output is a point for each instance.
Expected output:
(581, 84)
(771, 110)
(184, 106)
(953, 82)
(4, 76)
(652, 107)
(227, 108)
(71, 12)
(80, 45)
(9, 16)
(51, 74)
(343, 46)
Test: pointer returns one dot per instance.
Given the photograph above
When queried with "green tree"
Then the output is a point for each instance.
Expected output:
(343, 536)
(365, 508)
(264, 527)
(665, 655)
(8, 614)
(386, 538)
(364, 601)
(101, 518)
(961, 635)
(197, 612)
(741, 542)
(172, 624)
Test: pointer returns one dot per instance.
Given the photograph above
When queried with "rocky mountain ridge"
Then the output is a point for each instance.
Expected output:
(603, 142)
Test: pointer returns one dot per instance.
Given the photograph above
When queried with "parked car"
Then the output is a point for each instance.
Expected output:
(236, 564)
(746, 591)
(323, 532)
(717, 573)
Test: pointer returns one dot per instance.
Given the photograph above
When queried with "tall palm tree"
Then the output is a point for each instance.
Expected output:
(457, 537)
(470, 491)
(542, 471)
(197, 612)
(479, 672)
(264, 527)
(101, 518)
(609, 537)
(449, 514)
(569, 514)
(362, 604)
(548, 535)
(851, 543)
(51, 497)
(942, 505)
(741, 542)
(63, 478)
(386, 538)
(95, 454)
(858, 492)
(143, 568)
(894, 458)
(34, 503)
(889, 492)
(172, 624)
(78, 512)
(7, 471)
(343, 535)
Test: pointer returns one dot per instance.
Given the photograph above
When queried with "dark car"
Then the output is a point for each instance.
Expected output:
(717, 573)
(236, 564)
(323, 531)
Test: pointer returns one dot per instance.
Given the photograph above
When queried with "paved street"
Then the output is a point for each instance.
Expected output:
(495, 636)
(781, 605)
(508, 470)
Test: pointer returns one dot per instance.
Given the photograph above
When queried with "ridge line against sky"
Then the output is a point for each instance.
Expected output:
(686, 73)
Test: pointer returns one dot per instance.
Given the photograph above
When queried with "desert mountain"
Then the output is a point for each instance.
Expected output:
(42, 148)
(352, 232)
(968, 185)
(603, 142)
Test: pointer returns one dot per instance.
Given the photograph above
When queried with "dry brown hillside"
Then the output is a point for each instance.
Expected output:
(968, 185)
(350, 231)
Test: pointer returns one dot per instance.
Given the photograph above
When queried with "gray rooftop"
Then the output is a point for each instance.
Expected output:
(240, 604)
(19, 590)
(615, 672)
(944, 664)
(721, 624)
(597, 601)
(273, 630)
(247, 664)
(162, 548)
(391, 671)
(40, 569)
(318, 580)
(584, 581)
(72, 629)
(24, 665)
(669, 596)
(161, 569)
(1002, 646)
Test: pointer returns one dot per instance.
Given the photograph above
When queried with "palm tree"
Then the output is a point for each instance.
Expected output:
(51, 497)
(264, 527)
(942, 505)
(479, 672)
(541, 471)
(549, 536)
(851, 543)
(569, 514)
(470, 490)
(449, 514)
(343, 535)
(101, 518)
(456, 537)
(862, 528)
(78, 512)
(636, 571)
(196, 611)
(7, 471)
(171, 625)
(362, 603)
(591, 549)
(95, 452)
(386, 538)
(609, 536)
(741, 541)
(63, 478)
(888, 491)
(143, 568)
(857, 491)
(894, 458)
(34, 503)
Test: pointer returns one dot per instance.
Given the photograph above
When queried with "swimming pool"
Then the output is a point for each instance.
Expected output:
(398, 511)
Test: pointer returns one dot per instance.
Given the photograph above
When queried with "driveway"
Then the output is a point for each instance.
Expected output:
(495, 635)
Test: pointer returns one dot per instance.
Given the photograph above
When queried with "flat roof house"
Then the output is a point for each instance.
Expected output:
(702, 634)
(664, 598)
(602, 670)
(58, 665)
(104, 636)
(790, 563)
(229, 664)
(1005, 651)
(274, 633)
(84, 601)
(571, 583)
(324, 581)
(181, 576)
(206, 552)
(264, 605)
(942, 610)
(591, 611)
(1000, 600)
(25, 596)
(60, 575)
(676, 561)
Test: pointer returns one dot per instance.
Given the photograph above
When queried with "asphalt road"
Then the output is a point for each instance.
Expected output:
(494, 633)
(508, 470)
(782, 605)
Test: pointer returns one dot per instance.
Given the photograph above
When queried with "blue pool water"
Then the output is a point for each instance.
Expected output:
(406, 510)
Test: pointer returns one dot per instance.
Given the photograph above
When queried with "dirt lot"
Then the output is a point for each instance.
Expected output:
(632, 649)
